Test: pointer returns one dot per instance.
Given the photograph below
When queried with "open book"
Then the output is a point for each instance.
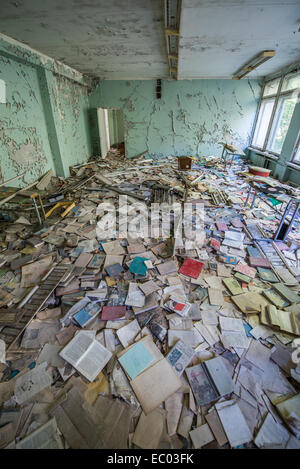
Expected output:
(86, 354)
(209, 380)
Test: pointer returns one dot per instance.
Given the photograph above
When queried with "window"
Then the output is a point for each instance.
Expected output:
(281, 122)
(263, 121)
(275, 113)
(291, 82)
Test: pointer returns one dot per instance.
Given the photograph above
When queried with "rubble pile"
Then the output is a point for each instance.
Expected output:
(180, 336)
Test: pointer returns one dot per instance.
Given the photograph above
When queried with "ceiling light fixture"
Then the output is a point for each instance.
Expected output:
(254, 63)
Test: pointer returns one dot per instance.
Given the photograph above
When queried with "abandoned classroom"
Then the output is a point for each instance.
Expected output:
(150, 225)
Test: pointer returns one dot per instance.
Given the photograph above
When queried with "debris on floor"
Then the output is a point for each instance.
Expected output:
(146, 338)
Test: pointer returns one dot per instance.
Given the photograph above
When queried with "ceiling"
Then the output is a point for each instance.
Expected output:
(119, 39)
(109, 39)
(219, 36)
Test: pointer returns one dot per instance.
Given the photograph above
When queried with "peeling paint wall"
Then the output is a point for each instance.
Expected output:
(190, 118)
(71, 102)
(24, 144)
(44, 123)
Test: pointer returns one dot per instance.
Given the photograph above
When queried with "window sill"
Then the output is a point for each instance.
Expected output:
(264, 153)
(293, 166)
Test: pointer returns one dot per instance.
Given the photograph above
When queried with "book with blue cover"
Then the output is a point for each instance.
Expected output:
(86, 314)
(114, 270)
(136, 359)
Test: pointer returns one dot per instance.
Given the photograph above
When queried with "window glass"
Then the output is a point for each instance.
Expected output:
(263, 122)
(271, 87)
(291, 82)
(281, 122)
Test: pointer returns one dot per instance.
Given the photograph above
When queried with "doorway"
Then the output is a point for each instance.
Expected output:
(111, 131)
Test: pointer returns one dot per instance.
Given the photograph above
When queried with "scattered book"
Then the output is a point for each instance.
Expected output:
(87, 314)
(191, 268)
(86, 354)
(180, 356)
(209, 381)
(114, 270)
(110, 313)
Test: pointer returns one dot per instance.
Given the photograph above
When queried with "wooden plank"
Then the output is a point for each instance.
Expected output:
(11, 334)
(172, 32)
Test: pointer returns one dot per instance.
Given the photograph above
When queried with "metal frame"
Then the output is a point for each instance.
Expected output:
(279, 94)
(248, 197)
(291, 221)
(172, 16)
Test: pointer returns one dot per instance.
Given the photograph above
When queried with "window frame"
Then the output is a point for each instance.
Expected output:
(267, 98)
(295, 151)
(279, 94)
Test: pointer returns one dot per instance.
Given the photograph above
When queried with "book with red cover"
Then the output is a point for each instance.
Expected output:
(246, 270)
(259, 262)
(191, 268)
(113, 312)
(214, 243)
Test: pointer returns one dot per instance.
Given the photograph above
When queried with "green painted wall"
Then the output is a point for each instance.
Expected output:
(190, 118)
(24, 143)
(70, 104)
(44, 123)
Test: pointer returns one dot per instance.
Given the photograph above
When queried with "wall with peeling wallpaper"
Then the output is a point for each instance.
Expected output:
(44, 123)
(190, 118)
